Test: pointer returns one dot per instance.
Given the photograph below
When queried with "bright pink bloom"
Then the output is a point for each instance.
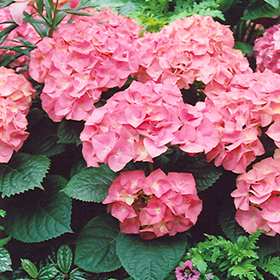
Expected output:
(74, 3)
(15, 98)
(83, 59)
(256, 197)
(251, 220)
(152, 206)
(268, 48)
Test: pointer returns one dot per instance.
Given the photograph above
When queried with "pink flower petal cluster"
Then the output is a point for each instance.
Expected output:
(83, 59)
(189, 49)
(250, 101)
(155, 205)
(140, 122)
(134, 124)
(268, 48)
(15, 97)
(257, 197)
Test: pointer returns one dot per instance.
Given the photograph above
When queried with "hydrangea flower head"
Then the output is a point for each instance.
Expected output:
(189, 49)
(83, 59)
(154, 206)
(257, 197)
(15, 98)
(186, 272)
(268, 48)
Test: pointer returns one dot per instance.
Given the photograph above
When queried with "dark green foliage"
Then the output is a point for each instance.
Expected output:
(150, 259)
(232, 260)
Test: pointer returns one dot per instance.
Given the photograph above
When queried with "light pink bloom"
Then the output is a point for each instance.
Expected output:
(17, 8)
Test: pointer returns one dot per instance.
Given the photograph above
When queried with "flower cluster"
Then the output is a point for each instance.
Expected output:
(155, 205)
(15, 97)
(134, 124)
(189, 49)
(257, 197)
(140, 122)
(248, 103)
(268, 48)
(82, 60)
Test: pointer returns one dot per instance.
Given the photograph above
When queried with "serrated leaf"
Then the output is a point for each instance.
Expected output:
(229, 225)
(23, 172)
(150, 259)
(29, 267)
(69, 132)
(273, 3)
(259, 10)
(91, 184)
(43, 138)
(38, 216)
(64, 258)
(96, 246)
(5, 260)
(47, 272)
(205, 173)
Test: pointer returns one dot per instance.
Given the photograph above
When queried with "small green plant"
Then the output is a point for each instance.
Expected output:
(61, 270)
(217, 258)
(5, 259)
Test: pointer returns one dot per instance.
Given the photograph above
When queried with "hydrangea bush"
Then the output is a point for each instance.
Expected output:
(145, 126)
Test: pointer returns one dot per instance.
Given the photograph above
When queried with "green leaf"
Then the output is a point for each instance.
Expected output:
(259, 10)
(202, 266)
(91, 184)
(23, 172)
(49, 8)
(38, 216)
(40, 6)
(228, 223)
(205, 173)
(69, 132)
(29, 267)
(4, 241)
(96, 246)
(2, 213)
(273, 3)
(43, 137)
(48, 272)
(5, 260)
(64, 258)
(77, 274)
(150, 259)
(5, 32)
(244, 47)
(75, 12)
(6, 3)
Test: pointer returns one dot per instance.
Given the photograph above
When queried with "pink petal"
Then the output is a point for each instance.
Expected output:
(74, 3)
(16, 11)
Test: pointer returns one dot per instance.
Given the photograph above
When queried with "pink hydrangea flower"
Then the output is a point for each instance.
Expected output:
(155, 205)
(189, 49)
(83, 59)
(247, 103)
(15, 98)
(257, 197)
(268, 48)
